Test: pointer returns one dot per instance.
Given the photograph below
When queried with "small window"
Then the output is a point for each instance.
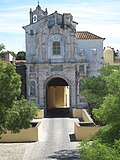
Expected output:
(82, 52)
(88, 68)
(31, 32)
(81, 68)
(56, 48)
(94, 51)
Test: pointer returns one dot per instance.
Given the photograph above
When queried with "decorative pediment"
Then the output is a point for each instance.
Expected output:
(55, 30)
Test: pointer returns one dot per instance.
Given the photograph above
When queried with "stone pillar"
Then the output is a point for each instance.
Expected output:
(41, 93)
(73, 95)
(78, 93)
(31, 16)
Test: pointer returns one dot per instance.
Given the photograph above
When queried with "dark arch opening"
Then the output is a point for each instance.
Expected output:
(57, 82)
(57, 99)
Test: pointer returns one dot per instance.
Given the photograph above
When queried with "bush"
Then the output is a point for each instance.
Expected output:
(20, 115)
(99, 151)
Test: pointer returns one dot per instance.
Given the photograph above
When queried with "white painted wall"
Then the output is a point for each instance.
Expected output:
(95, 60)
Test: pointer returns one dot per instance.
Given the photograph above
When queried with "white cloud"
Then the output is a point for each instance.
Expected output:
(99, 17)
(13, 19)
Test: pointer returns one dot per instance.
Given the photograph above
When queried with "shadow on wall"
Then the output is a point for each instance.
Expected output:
(65, 154)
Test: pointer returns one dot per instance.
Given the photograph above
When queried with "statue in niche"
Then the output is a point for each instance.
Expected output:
(32, 69)
(32, 88)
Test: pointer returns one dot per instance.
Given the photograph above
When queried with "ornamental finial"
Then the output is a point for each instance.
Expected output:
(38, 2)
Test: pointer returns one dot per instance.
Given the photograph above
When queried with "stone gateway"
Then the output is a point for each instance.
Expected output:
(58, 57)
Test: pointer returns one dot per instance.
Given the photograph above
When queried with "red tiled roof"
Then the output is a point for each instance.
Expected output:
(87, 35)
(20, 61)
(117, 60)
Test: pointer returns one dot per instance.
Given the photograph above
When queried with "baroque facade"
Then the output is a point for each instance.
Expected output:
(58, 57)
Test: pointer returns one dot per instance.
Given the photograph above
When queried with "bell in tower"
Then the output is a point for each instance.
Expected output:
(37, 14)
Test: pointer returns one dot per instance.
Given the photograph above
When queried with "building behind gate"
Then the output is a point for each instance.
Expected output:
(58, 57)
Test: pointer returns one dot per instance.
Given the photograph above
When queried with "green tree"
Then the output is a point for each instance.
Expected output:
(21, 55)
(9, 84)
(14, 114)
(109, 110)
(2, 47)
(3, 52)
(22, 112)
(106, 143)
(11, 53)
(116, 52)
(99, 151)
(94, 89)
(107, 70)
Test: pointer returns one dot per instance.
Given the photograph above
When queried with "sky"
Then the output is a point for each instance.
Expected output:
(100, 17)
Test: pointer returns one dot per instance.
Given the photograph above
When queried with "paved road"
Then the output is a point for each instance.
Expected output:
(57, 143)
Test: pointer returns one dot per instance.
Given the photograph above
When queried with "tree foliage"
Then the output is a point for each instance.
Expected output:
(11, 53)
(107, 70)
(109, 110)
(94, 89)
(106, 143)
(9, 84)
(14, 114)
(22, 112)
(115, 52)
(99, 151)
(2, 47)
(21, 55)
(3, 52)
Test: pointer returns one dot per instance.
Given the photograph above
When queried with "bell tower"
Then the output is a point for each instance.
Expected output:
(37, 14)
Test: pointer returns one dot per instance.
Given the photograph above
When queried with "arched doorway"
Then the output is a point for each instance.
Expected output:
(57, 96)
